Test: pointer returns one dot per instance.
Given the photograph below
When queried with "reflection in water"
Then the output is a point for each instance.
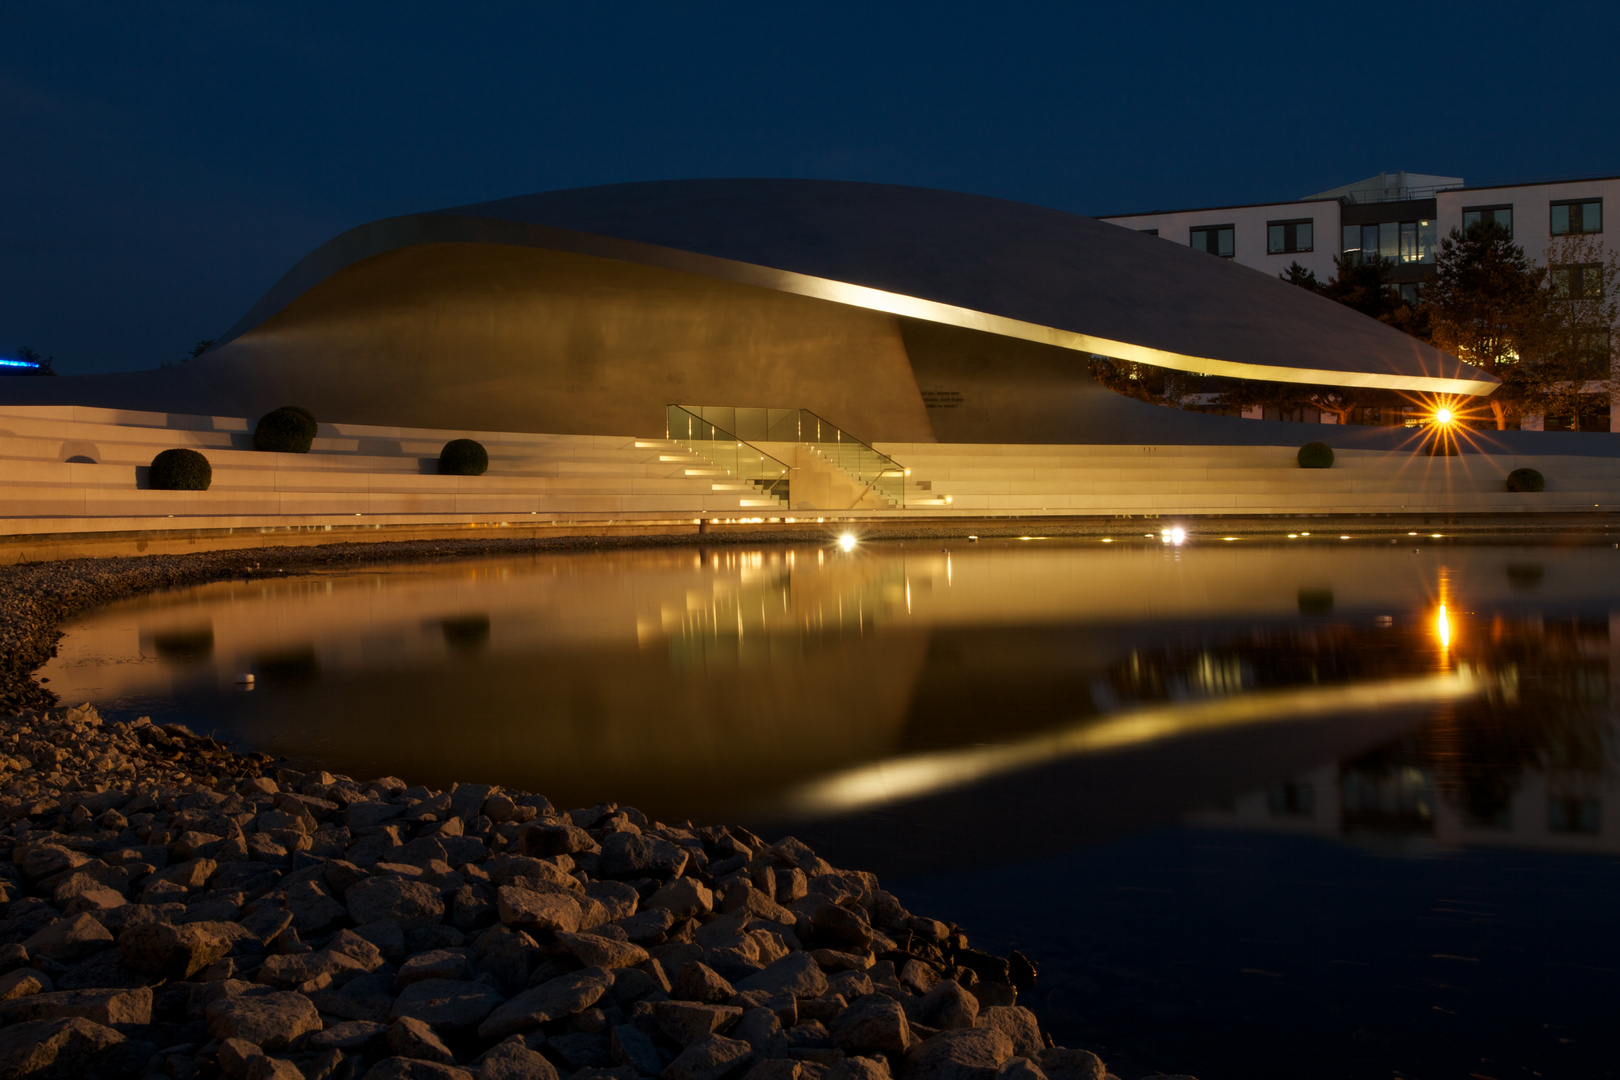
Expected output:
(801, 682)
(1529, 763)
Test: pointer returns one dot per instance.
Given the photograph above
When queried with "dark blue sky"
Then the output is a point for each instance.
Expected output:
(164, 163)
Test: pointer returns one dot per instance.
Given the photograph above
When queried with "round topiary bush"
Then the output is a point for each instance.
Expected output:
(181, 470)
(1526, 480)
(463, 457)
(1316, 455)
(288, 430)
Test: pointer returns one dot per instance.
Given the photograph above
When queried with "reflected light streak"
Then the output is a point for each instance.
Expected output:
(918, 775)
(1442, 627)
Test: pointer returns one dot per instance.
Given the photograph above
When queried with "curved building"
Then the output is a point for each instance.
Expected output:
(900, 314)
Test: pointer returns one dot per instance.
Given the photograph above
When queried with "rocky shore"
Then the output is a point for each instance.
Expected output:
(177, 909)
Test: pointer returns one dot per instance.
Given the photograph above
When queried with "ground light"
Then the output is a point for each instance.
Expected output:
(847, 542)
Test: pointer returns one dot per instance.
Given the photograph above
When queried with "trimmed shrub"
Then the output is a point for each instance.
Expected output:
(463, 457)
(181, 470)
(287, 430)
(1526, 480)
(1316, 455)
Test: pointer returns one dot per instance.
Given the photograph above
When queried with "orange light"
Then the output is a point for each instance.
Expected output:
(1442, 627)
(1444, 417)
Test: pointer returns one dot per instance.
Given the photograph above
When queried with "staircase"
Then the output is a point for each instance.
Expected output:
(72, 469)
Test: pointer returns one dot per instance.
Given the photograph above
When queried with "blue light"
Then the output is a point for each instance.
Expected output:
(19, 363)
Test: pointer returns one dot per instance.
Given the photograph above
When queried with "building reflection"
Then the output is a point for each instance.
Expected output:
(1528, 764)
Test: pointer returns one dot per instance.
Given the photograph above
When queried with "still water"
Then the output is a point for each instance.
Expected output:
(1315, 808)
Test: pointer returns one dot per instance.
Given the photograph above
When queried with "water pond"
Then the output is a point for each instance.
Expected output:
(1314, 807)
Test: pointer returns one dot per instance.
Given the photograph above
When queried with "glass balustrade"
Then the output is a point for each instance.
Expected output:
(877, 471)
(738, 458)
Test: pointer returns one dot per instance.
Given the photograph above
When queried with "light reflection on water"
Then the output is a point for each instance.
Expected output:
(1237, 798)
(799, 682)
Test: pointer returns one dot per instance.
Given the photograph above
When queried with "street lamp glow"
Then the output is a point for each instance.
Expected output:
(847, 542)
(1444, 417)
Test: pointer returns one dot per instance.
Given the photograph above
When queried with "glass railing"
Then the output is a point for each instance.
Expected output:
(721, 446)
(877, 471)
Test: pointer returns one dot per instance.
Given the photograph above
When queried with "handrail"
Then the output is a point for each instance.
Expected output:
(867, 465)
(743, 460)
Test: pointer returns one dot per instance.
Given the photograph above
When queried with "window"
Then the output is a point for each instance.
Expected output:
(1575, 218)
(1577, 281)
(1287, 237)
(1215, 239)
(1397, 241)
(1480, 215)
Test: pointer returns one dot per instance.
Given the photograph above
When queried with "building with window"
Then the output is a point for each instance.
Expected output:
(1399, 216)
(1402, 217)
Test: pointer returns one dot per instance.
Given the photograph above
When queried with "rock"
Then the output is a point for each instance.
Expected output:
(841, 927)
(448, 1004)
(774, 1069)
(1060, 1063)
(647, 926)
(593, 950)
(57, 1049)
(93, 899)
(760, 1028)
(859, 1068)
(688, 1021)
(551, 1000)
(1020, 1068)
(70, 939)
(974, 1054)
(875, 1023)
(555, 839)
(103, 1006)
(400, 1068)
(949, 1007)
(629, 1045)
(174, 952)
(368, 997)
(265, 1067)
(412, 904)
(1018, 1024)
(235, 1056)
(354, 1035)
(527, 909)
(580, 1050)
(713, 1057)
(434, 964)
(797, 974)
(387, 935)
(629, 855)
(410, 1037)
(513, 1060)
(271, 1020)
(697, 981)
(191, 874)
(23, 982)
(312, 907)
(683, 898)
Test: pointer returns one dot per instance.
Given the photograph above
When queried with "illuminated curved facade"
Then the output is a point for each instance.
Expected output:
(901, 314)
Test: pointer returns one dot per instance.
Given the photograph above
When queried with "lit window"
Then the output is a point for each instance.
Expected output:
(1577, 281)
(1481, 215)
(1215, 239)
(1287, 237)
(1577, 218)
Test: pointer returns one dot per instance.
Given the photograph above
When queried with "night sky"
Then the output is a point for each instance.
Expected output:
(165, 163)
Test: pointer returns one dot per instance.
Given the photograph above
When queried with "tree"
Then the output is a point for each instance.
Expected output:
(1485, 306)
(1571, 351)
(44, 362)
(198, 349)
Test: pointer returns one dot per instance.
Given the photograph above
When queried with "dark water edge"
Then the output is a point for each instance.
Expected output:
(1243, 955)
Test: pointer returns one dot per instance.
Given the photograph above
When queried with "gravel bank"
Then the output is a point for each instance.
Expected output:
(177, 909)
